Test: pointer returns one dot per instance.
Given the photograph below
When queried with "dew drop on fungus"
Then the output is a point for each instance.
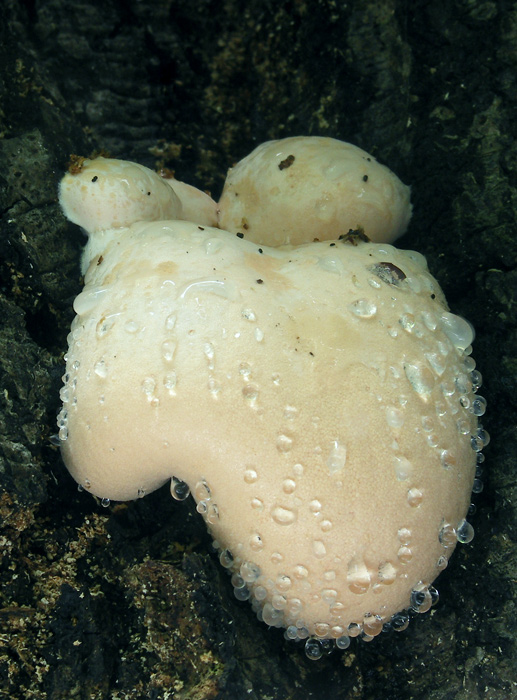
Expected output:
(179, 489)
(282, 515)
(363, 308)
(464, 532)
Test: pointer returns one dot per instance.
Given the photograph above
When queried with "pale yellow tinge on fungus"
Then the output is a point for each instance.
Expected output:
(314, 398)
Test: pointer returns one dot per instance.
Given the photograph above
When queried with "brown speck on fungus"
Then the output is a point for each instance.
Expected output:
(286, 163)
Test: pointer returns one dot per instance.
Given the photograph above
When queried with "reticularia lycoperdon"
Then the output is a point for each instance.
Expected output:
(317, 399)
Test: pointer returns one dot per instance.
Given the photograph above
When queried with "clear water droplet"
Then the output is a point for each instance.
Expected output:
(394, 417)
(464, 532)
(319, 549)
(414, 497)
(283, 516)
(363, 308)
(358, 577)
(336, 459)
(250, 476)
(284, 443)
(101, 369)
(457, 329)
(256, 543)
(288, 485)
(421, 379)
(168, 350)
(179, 489)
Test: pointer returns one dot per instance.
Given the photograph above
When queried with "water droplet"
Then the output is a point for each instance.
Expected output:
(248, 314)
(404, 555)
(226, 558)
(276, 558)
(421, 599)
(105, 502)
(414, 497)
(148, 388)
(202, 491)
(313, 650)
(212, 513)
(250, 392)
(288, 486)
(420, 378)
(284, 443)
(298, 469)
(250, 476)
(403, 468)
(300, 572)
(476, 379)
(394, 417)
(179, 489)
(336, 459)
(249, 571)
(457, 329)
(479, 406)
(358, 577)
(283, 516)
(363, 308)
(399, 622)
(131, 326)
(245, 371)
(283, 583)
(407, 321)
(429, 320)
(319, 549)
(437, 362)
(255, 542)
(372, 624)
(325, 526)
(331, 264)
(387, 573)
(209, 352)
(101, 369)
(214, 387)
(170, 322)
(315, 507)
(343, 642)
(105, 325)
(168, 350)
(465, 532)
(169, 382)
(257, 504)
(404, 535)
(259, 335)
(447, 535)
(260, 593)
(278, 602)
(447, 459)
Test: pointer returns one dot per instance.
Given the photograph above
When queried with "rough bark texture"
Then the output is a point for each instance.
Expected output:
(128, 601)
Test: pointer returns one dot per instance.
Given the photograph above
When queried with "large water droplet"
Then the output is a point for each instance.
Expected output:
(283, 516)
(457, 329)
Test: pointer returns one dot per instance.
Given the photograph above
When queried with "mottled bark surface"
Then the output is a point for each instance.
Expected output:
(128, 601)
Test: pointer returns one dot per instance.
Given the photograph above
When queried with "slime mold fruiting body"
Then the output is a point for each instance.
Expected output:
(317, 399)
